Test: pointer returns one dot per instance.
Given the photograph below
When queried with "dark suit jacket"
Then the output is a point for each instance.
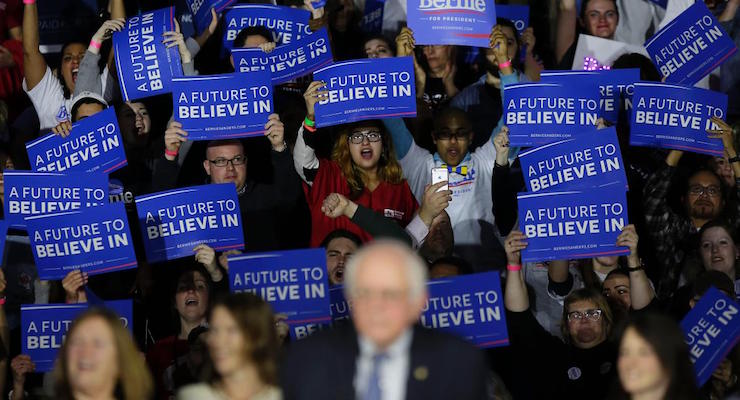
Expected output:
(441, 367)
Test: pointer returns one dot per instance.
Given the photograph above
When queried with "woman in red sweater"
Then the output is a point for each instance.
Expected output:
(363, 167)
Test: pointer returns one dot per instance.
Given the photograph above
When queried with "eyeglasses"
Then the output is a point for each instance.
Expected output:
(593, 315)
(222, 162)
(359, 137)
(698, 190)
(445, 134)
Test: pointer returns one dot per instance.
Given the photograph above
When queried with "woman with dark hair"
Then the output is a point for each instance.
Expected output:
(191, 303)
(654, 362)
(99, 360)
(363, 167)
(597, 18)
(51, 93)
(243, 349)
(378, 46)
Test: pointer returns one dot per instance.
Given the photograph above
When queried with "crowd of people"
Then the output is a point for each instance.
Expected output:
(598, 328)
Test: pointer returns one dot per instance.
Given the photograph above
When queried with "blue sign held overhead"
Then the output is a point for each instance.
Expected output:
(44, 326)
(294, 282)
(471, 306)
(615, 87)
(541, 113)
(34, 193)
(517, 14)
(676, 117)
(94, 145)
(691, 46)
(286, 23)
(366, 89)
(455, 22)
(176, 221)
(95, 240)
(573, 224)
(287, 62)
(588, 160)
(372, 18)
(144, 64)
(201, 10)
(223, 106)
(711, 330)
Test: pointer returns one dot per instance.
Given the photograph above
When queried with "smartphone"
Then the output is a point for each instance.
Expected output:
(440, 175)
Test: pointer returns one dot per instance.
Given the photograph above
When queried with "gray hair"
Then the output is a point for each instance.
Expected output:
(416, 268)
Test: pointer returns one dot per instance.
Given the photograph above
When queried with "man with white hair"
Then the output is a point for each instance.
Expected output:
(384, 354)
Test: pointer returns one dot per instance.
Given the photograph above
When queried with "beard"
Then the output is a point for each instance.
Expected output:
(703, 209)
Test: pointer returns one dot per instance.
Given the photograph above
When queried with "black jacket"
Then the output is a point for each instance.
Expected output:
(440, 367)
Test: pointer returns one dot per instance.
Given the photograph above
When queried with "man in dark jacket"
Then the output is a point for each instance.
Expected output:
(384, 353)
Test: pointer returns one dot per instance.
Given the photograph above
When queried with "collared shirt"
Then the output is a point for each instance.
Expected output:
(394, 369)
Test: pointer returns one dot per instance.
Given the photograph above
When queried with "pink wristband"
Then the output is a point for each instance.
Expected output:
(95, 44)
(29, 1)
(504, 64)
(513, 267)
(170, 153)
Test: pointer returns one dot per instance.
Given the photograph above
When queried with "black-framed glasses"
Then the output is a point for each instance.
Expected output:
(698, 190)
(593, 315)
(359, 137)
(446, 134)
(222, 162)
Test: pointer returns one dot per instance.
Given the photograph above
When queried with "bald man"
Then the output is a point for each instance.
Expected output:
(384, 354)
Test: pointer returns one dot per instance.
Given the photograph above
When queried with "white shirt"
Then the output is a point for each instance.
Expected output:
(394, 369)
(48, 99)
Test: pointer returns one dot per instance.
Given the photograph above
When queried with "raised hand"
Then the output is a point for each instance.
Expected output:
(434, 202)
(275, 132)
(174, 137)
(73, 285)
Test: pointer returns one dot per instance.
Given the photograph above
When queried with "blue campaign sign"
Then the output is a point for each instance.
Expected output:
(44, 326)
(287, 62)
(456, 22)
(691, 46)
(174, 222)
(96, 240)
(223, 106)
(294, 282)
(676, 117)
(471, 306)
(145, 66)
(339, 307)
(201, 10)
(94, 145)
(286, 23)
(541, 113)
(711, 330)
(573, 224)
(3, 235)
(34, 193)
(615, 87)
(586, 161)
(366, 89)
(519, 15)
(372, 18)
